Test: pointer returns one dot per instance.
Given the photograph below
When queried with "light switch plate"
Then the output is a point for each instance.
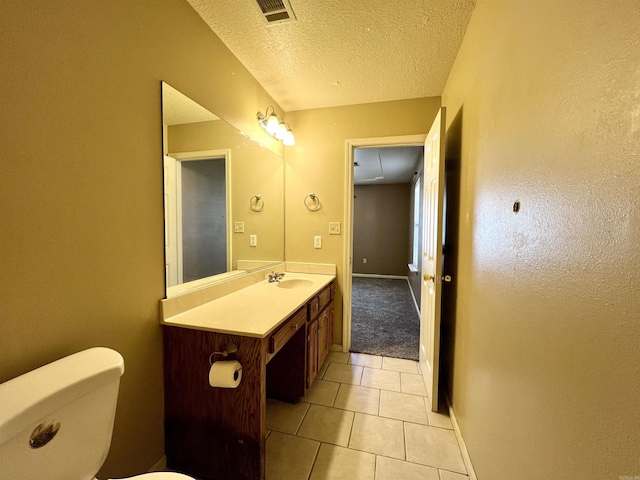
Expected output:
(317, 241)
(334, 228)
(238, 227)
(253, 240)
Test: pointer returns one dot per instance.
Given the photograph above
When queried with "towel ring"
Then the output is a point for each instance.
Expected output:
(312, 206)
(256, 205)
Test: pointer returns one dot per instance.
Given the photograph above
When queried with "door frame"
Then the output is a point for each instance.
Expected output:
(192, 157)
(347, 252)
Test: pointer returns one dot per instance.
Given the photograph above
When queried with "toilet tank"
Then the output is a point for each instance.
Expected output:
(56, 421)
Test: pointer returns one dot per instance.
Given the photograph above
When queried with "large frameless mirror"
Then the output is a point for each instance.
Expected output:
(223, 197)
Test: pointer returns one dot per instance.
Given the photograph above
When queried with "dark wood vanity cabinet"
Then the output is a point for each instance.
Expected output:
(319, 330)
(213, 433)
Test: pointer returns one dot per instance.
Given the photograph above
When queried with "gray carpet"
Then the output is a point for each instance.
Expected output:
(384, 320)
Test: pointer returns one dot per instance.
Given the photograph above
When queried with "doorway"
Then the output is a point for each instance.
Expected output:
(372, 263)
(384, 313)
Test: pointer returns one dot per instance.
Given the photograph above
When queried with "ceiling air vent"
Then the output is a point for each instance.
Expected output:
(275, 11)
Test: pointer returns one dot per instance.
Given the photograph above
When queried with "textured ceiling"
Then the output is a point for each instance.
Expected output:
(343, 52)
(385, 165)
(177, 108)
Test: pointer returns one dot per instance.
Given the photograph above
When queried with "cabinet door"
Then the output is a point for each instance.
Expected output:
(330, 326)
(312, 350)
(323, 334)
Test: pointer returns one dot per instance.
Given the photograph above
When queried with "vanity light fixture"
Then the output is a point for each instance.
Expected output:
(270, 122)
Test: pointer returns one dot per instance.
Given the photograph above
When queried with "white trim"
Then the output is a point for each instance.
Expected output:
(463, 447)
(347, 246)
(372, 275)
(205, 155)
(415, 303)
(179, 258)
(413, 268)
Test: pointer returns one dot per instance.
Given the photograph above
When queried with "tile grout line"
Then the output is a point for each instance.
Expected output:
(375, 466)
(302, 420)
(315, 459)
(404, 434)
(405, 424)
(353, 421)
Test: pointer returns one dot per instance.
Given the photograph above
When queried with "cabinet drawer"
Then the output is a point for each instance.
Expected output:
(286, 331)
(324, 297)
(314, 308)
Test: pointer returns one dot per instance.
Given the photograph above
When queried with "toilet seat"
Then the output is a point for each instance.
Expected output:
(158, 476)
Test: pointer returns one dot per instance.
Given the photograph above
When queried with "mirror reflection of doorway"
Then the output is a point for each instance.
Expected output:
(196, 216)
(204, 223)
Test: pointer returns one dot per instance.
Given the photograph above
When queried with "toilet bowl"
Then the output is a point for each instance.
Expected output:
(56, 421)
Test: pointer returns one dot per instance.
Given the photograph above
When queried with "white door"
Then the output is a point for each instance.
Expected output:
(430, 293)
(171, 223)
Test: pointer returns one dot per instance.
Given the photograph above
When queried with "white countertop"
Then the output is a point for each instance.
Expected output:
(254, 311)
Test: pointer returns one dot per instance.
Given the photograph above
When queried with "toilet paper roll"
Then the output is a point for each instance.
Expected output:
(225, 374)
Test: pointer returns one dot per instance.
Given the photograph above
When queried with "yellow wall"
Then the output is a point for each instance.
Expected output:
(317, 164)
(81, 235)
(545, 371)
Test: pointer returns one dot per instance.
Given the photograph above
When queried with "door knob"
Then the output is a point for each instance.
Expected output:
(446, 278)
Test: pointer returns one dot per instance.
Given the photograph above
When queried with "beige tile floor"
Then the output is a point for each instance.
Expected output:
(365, 418)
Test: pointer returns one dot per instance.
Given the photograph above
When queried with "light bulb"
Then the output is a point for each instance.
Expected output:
(288, 138)
(281, 131)
(272, 124)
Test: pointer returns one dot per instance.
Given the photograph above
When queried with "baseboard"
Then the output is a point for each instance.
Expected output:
(463, 447)
(415, 302)
(372, 275)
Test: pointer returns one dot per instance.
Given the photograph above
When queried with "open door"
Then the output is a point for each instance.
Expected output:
(431, 290)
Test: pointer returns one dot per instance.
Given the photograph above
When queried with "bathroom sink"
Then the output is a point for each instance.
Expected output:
(294, 283)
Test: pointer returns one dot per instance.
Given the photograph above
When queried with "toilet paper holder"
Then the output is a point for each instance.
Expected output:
(231, 348)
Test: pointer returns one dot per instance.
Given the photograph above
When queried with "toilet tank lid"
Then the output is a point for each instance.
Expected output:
(30, 397)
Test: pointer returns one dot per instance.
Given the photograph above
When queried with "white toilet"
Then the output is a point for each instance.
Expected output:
(56, 421)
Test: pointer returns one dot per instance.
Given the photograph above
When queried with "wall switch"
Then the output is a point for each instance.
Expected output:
(317, 241)
(334, 228)
(238, 227)
(364, 260)
(253, 240)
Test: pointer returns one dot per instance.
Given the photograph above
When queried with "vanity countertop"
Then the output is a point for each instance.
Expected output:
(256, 310)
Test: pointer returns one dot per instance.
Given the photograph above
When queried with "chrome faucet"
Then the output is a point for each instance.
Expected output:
(275, 277)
